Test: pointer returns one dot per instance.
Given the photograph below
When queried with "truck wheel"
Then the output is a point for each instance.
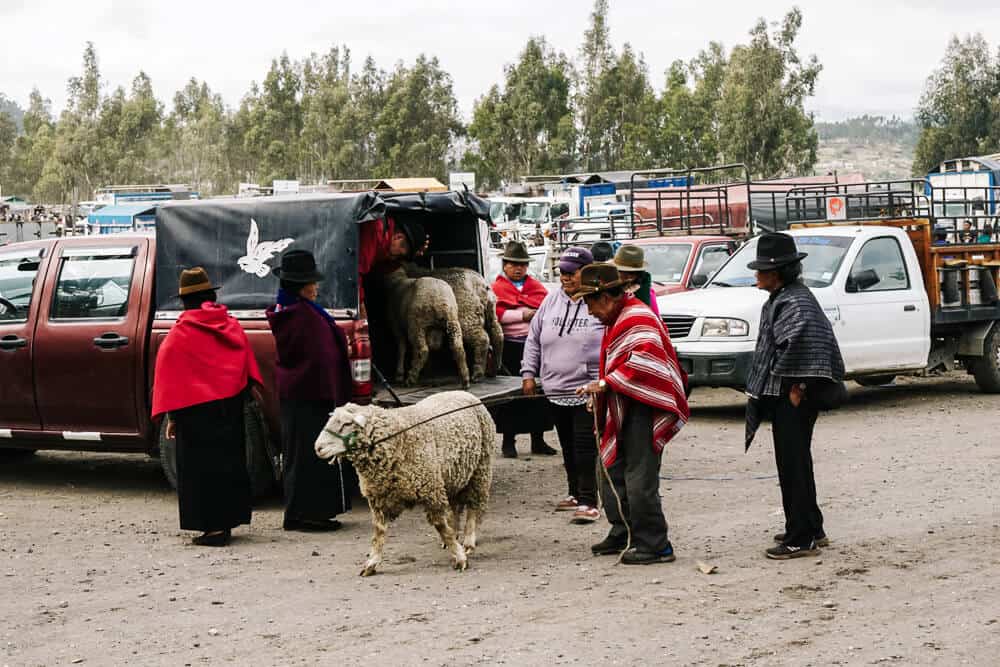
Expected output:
(11, 455)
(875, 380)
(259, 467)
(986, 369)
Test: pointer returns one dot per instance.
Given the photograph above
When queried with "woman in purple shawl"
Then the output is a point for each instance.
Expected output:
(314, 377)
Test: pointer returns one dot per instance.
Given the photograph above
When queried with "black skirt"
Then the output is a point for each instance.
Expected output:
(314, 489)
(522, 415)
(213, 486)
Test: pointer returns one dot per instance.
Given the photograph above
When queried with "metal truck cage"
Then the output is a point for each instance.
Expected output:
(960, 270)
(711, 201)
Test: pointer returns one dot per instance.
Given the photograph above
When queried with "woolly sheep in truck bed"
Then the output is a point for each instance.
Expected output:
(437, 453)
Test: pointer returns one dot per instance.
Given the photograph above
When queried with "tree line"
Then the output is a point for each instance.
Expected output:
(323, 118)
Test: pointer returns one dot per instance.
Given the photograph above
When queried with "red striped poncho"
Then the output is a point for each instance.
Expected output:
(638, 363)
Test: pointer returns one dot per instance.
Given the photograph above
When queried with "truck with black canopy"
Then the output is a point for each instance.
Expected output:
(82, 318)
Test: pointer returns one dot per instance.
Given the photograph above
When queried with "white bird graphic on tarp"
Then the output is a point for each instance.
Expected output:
(259, 254)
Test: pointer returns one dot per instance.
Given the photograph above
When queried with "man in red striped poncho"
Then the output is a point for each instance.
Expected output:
(641, 405)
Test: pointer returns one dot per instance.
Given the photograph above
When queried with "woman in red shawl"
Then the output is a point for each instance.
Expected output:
(518, 298)
(203, 371)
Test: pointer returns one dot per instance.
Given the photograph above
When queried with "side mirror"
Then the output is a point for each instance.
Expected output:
(698, 280)
(862, 280)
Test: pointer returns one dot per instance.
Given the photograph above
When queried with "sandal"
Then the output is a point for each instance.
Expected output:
(567, 504)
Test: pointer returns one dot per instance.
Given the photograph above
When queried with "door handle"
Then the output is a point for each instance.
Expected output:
(110, 341)
(12, 342)
(909, 308)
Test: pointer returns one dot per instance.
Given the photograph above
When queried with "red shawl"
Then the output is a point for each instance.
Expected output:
(511, 298)
(205, 357)
(638, 363)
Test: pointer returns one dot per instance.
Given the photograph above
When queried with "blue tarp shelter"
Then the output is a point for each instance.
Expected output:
(122, 217)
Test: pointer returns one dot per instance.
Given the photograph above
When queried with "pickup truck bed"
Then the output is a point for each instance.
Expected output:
(486, 389)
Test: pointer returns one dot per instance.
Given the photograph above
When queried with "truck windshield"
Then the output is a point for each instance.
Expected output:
(825, 254)
(534, 212)
(667, 261)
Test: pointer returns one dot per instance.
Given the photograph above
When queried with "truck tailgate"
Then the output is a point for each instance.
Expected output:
(485, 389)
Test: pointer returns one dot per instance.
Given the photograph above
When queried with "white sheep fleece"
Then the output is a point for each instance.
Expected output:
(477, 313)
(424, 316)
(445, 465)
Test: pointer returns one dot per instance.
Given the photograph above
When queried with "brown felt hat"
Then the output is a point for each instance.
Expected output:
(193, 281)
(516, 252)
(596, 278)
(630, 258)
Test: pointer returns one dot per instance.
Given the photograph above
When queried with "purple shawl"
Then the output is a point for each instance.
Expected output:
(313, 358)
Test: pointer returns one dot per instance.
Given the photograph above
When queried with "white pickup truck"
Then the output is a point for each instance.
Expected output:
(878, 281)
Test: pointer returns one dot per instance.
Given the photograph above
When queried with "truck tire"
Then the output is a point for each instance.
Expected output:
(986, 369)
(875, 380)
(259, 466)
(11, 455)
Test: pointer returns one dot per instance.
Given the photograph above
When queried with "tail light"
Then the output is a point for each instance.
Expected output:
(361, 363)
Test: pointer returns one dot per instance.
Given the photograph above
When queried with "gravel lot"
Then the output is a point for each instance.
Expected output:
(94, 571)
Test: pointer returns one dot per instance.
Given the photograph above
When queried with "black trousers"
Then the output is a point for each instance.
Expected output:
(636, 476)
(524, 416)
(213, 486)
(314, 490)
(793, 430)
(575, 427)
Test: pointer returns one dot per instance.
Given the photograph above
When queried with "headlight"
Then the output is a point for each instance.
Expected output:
(720, 327)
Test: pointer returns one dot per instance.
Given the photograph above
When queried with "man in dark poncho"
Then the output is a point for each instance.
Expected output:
(203, 371)
(797, 358)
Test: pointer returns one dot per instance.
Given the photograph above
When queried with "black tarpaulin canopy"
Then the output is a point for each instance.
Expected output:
(240, 241)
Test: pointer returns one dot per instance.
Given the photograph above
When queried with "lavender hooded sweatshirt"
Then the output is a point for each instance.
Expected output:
(563, 348)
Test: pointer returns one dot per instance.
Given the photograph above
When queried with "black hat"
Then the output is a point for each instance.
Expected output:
(415, 235)
(602, 251)
(298, 266)
(775, 250)
(517, 253)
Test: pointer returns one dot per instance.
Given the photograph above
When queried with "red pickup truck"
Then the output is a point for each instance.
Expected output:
(82, 318)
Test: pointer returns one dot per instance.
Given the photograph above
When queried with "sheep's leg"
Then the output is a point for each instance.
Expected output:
(401, 355)
(454, 332)
(420, 353)
(471, 523)
(437, 516)
(379, 527)
(456, 521)
(479, 344)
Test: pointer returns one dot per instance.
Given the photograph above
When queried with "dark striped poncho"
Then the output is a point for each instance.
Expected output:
(795, 342)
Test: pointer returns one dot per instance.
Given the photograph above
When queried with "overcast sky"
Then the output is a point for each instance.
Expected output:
(875, 54)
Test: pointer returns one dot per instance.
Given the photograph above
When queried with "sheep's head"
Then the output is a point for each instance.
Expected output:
(343, 432)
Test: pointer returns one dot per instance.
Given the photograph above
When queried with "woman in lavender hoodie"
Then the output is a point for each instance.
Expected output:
(563, 349)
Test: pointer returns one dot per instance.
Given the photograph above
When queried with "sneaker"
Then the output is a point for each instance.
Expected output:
(787, 551)
(585, 514)
(636, 557)
(609, 546)
(821, 540)
(567, 504)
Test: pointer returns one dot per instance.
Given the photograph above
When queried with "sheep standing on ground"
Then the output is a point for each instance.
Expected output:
(445, 464)
(477, 312)
(423, 312)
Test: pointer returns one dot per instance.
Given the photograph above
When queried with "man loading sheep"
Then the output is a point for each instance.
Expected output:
(641, 405)
(384, 244)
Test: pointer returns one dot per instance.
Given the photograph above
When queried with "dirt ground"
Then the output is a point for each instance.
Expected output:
(94, 571)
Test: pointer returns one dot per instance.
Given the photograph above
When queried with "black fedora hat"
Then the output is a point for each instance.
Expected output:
(775, 250)
(298, 266)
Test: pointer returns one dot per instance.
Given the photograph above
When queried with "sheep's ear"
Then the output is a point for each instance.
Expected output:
(361, 420)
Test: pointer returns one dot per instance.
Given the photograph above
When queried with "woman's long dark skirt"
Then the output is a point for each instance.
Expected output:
(314, 489)
(213, 486)
(522, 416)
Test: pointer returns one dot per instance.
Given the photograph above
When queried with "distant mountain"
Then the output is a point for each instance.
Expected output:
(880, 148)
(12, 109)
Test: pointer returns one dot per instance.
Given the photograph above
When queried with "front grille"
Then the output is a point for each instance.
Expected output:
(679, 326)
